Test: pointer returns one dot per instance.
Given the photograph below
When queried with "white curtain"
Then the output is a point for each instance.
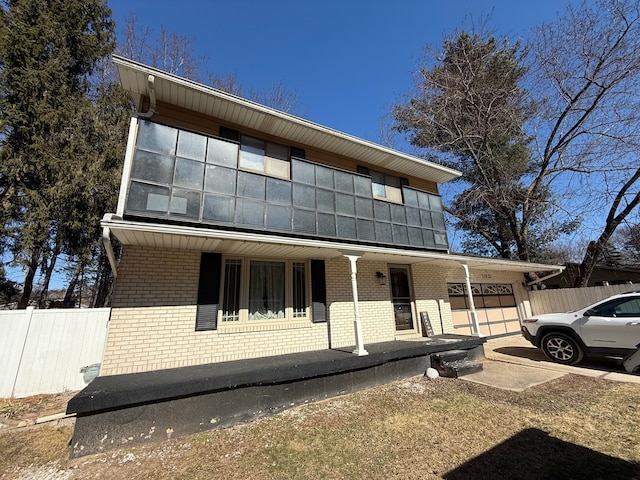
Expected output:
(266, 290)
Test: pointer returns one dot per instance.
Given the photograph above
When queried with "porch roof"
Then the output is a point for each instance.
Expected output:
(229, 242)
(209, 101)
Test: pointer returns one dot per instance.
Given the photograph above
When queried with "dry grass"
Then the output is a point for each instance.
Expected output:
(573, 427)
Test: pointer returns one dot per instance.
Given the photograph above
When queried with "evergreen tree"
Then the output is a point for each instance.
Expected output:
(48, 50)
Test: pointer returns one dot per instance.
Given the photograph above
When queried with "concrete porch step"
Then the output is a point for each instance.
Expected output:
(455, 363)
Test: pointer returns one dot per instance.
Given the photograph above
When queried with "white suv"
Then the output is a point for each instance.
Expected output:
(609, 328)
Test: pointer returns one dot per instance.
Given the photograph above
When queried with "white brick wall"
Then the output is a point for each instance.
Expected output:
(153, 317)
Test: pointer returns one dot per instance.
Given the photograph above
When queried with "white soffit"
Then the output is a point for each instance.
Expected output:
(153, 235)
(199, 98)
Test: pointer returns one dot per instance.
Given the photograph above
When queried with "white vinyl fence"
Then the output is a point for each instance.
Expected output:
(43, 351)
(570, 299)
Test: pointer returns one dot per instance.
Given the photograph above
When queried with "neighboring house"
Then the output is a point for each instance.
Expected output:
(248, 232)
(602, 276)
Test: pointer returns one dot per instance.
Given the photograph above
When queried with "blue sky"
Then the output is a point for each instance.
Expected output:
(348, 60)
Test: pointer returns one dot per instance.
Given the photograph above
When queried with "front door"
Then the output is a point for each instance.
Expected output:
(401, 297)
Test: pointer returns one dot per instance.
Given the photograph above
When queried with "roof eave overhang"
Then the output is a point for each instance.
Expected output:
(209, 101)
(229, 242)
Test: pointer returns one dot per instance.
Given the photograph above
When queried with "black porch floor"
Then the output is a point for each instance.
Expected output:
(115, 410)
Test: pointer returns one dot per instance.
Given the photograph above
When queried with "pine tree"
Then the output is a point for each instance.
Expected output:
(48, 50)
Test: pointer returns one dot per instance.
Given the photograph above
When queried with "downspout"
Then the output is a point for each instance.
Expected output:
(474, 314)
(108, 247)
(151, 90)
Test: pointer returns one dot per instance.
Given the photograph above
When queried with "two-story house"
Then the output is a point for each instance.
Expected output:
(248, 232)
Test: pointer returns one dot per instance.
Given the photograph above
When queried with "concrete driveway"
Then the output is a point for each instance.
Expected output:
(512, 363)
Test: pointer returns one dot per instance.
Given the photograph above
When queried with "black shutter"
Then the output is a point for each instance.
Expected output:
(298, 152)
(208, 291)
(363, 170)
(319, 310)
(230, 134)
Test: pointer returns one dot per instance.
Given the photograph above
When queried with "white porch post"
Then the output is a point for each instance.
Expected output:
(357, 325)
(474, 314)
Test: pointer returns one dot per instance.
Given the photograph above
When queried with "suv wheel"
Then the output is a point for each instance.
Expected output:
(561, 348)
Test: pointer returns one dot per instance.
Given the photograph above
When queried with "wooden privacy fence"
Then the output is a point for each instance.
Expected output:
(571, 299)
(43, 351)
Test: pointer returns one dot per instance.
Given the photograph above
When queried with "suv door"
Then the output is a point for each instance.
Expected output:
(612, 324)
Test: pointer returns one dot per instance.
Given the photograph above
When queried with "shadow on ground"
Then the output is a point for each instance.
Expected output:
(536, 355)
(533, 454)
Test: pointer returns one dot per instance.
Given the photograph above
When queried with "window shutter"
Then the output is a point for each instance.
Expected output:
(363, 170)
(319, 310)
(230, 134)
(298, 152)
(208, 291)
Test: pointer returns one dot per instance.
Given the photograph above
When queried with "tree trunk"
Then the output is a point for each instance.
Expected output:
(42, 298)
(104, 282)
(68, 295)
(27, 289)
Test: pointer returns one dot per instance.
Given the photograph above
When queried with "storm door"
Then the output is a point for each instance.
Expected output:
(401, 297)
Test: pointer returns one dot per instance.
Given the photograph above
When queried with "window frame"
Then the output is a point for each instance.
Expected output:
(243, 322)
(272, 165)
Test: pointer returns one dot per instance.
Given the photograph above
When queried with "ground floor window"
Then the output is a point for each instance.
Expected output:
(256, 291)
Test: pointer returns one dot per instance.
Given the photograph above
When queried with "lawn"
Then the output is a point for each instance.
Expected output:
(572, 427)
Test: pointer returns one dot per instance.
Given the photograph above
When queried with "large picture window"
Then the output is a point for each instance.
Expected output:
(258, 291)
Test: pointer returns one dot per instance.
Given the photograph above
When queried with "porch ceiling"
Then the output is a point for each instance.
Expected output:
(265, 245)
(208, 101)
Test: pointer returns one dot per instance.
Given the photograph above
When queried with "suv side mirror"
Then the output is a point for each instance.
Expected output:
(591, 312)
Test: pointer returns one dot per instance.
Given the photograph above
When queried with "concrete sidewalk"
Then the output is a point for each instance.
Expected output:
(512, 363)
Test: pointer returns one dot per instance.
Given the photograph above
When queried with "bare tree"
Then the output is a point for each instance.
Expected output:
(587, 73)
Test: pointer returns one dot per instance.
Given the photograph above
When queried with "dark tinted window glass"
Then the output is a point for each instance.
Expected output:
(413, 216)
(366, 230)
(218, 209)
(324, 177)
(156, 137)
(364, 207)
(344, 181)
(192, 145)
(279, 217)
(185, 203)
(362, 186)
(189, 174)
(222, 153)
(304, 196)
(383, 232)
(278, 191)
(150, 198)
(382, 210)
(345, 204)
(304, 220)
(250, 212)
(152, 167)
(220, 180)
(398, 214)
(303, 172)
(346, 227)
(400, 234)
(326, 224)
(250, 185)
(326, 200)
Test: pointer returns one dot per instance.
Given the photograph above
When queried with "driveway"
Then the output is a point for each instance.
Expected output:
(512, 363)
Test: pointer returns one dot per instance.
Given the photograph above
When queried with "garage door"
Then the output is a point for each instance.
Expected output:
(495, 305)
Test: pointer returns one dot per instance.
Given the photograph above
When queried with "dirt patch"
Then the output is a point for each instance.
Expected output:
(16, 412)
(572, 427)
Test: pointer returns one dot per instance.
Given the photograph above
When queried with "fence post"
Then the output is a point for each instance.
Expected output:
(28, 313)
